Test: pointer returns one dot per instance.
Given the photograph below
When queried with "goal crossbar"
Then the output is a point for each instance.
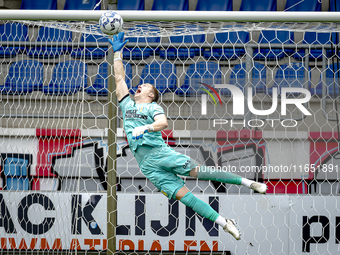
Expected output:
(201, 16)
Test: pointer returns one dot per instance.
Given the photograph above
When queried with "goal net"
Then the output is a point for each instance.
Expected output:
(256, 98)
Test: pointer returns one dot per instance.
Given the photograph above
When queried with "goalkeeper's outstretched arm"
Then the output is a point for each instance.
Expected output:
(117, 47)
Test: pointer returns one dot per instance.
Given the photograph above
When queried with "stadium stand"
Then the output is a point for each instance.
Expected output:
(262, 5)
(99, 86)
(9, 33)
(142, 52)
(174, 5)
(314, 38)
(24, 77)
(48, 34)
(334, 5)
(197, 73)
(189, 40)
(273, 37)
(90, 52)
(239, 76)
(332, 81)
(68, 78)
(160, 74)
(217, 5)
(138, 5)
(290, 75)
(303, 6)
(39, 5)
(81, 5)
(228, 52)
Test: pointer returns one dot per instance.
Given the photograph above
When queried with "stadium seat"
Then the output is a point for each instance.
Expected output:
(39, 5)
(81, 5)
(90, 52)
(187, 40)
(68, 77)
(261, 5)
(48, 34)
(12, 32)
(314, 38)
(197, 73)
(238, 77)
(332, 80)
(216, 5)
(274, 37)
(99, 87)
(228, 51)
(290, 75)
(174, 5)
(140, 33)
(24, 77)
(137, 5)
(303, 6)
(334, 5)
(160, 74)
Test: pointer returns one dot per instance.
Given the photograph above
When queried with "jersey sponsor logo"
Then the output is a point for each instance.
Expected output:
(134, 114)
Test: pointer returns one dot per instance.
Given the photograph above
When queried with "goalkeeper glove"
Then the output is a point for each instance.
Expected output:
(138, 132)
(118, 45)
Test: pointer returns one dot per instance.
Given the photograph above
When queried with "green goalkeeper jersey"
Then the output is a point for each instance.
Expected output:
(135, 115)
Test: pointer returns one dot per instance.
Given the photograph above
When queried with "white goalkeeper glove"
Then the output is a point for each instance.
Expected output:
(138, 132)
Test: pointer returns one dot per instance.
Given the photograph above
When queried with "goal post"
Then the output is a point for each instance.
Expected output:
(256, 93)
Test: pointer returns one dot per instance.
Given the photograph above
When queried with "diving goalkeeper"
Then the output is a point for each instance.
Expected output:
(143, 121)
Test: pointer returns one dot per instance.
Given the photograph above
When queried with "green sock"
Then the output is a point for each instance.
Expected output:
(199, 206)
(215, 174)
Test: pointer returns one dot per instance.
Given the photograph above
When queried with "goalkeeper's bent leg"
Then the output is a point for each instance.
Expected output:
(208, 173)
(205, 210)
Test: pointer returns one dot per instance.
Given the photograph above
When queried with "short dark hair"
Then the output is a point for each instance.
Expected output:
(156, 94)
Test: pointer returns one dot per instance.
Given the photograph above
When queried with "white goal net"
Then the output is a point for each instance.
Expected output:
(256, 98)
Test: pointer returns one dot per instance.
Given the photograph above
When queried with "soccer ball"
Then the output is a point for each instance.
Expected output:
(111, 23)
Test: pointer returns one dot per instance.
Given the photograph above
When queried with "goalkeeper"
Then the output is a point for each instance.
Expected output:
(143, 121)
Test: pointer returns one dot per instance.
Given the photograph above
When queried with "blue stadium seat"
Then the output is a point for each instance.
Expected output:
(311, 38)
(39, 5)
(184, 53)
(332, 80)
(138, 5)
(261, 5)
(303, 6)
(290, 75)
(24, 77)
(238, 77)
(99, 87)
(274, 37)
(160, 74)
(197, 73)
(68, 77)
(228, 52)
(81, 4)
(12, 32)
(174, 5)
(47, 34)
(334, 5)
(90, 52)
(142, 31)
(216, 5)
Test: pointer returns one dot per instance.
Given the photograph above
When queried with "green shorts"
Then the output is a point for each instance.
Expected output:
(162, 165)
